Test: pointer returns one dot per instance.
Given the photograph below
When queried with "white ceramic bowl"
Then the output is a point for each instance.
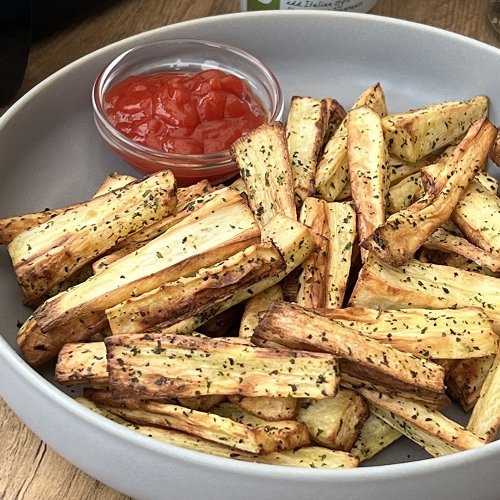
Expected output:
(318, 54)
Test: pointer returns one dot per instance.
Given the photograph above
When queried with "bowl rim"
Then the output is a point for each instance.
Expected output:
(12, 359)
(205, 161)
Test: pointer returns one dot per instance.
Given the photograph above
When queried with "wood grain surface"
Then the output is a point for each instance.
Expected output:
(29, 469)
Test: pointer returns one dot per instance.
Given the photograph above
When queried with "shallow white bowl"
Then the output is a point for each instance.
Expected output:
(52, 155)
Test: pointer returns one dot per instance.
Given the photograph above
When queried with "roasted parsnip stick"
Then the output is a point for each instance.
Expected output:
(417, 133)
(363, 357)
(153, 366)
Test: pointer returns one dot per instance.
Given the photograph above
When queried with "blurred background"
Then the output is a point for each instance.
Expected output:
(56, 32)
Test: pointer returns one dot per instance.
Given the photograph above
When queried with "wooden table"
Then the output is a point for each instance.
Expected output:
(29, 469)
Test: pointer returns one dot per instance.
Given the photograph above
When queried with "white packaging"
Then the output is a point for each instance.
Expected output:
(343, 5)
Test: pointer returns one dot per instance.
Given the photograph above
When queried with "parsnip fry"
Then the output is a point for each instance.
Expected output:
(210, 426)
(188, 199)
(187, 297)
(437, 434)
(47, 254)
(429, 333)
(264, 162)
(324, 276)
(405, 193)
(335, 113)
(220, 228)
(312, 279)
(201, 403)
(305, 129)
(114, 181)
(485, 419)
(332, 173)
(334, 422)
(294, 242)
(287, 434)
(153, 366)
(419, 285)
(256, 305)
(367, 160)
(82, 364)
(375, 435)
(447, 242)
(397, 240)
(267, 408)
(477, 215)
(12, 226)
(465, 377)
(460, 262)
(171, 436)
(363, 357)
(414, 134)
(315, 457)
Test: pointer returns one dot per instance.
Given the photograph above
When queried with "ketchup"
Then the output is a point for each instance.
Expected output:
(185, 113)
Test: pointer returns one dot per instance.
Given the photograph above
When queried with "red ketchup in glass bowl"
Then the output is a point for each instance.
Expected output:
(179, 104)
(184, 113)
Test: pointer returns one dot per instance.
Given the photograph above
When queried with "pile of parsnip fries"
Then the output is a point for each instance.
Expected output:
(332, 299)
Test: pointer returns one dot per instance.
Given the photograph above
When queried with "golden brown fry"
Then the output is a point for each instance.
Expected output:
(267, 408)
(265, 167)
(287, 434)
(324, 276)
(429, 333)
(154, 366)
(363, 357)
(305, 130)
(219, 229)
(114, 181)
(187, 297)
(465, 377)
(375, 435)
(419, 285)
(189, 199)
(429, 428)
(477, 215)
(367, 161)
(210, 426)
(397, 240)
(447, 242)
(82, 364)
(294, 242)
(335, 113)
(437, 434)
(460, 262)
(405, 193)
(47, 254)
(417, 133)
(171, 436)
(256, 305)
(312, 283)
(334, 422)
(315, 457)
(332, 174)
(485, 419)
(12, 226)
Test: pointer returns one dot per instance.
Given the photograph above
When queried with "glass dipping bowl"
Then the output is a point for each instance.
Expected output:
(183, 55)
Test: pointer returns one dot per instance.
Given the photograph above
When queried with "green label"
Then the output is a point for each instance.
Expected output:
(263, 4)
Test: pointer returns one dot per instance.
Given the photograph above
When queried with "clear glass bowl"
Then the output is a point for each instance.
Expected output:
(185, 55)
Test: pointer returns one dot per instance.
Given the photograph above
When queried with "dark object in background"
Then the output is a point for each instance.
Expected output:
(24, 21)
(49, 16)
(15, 27)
